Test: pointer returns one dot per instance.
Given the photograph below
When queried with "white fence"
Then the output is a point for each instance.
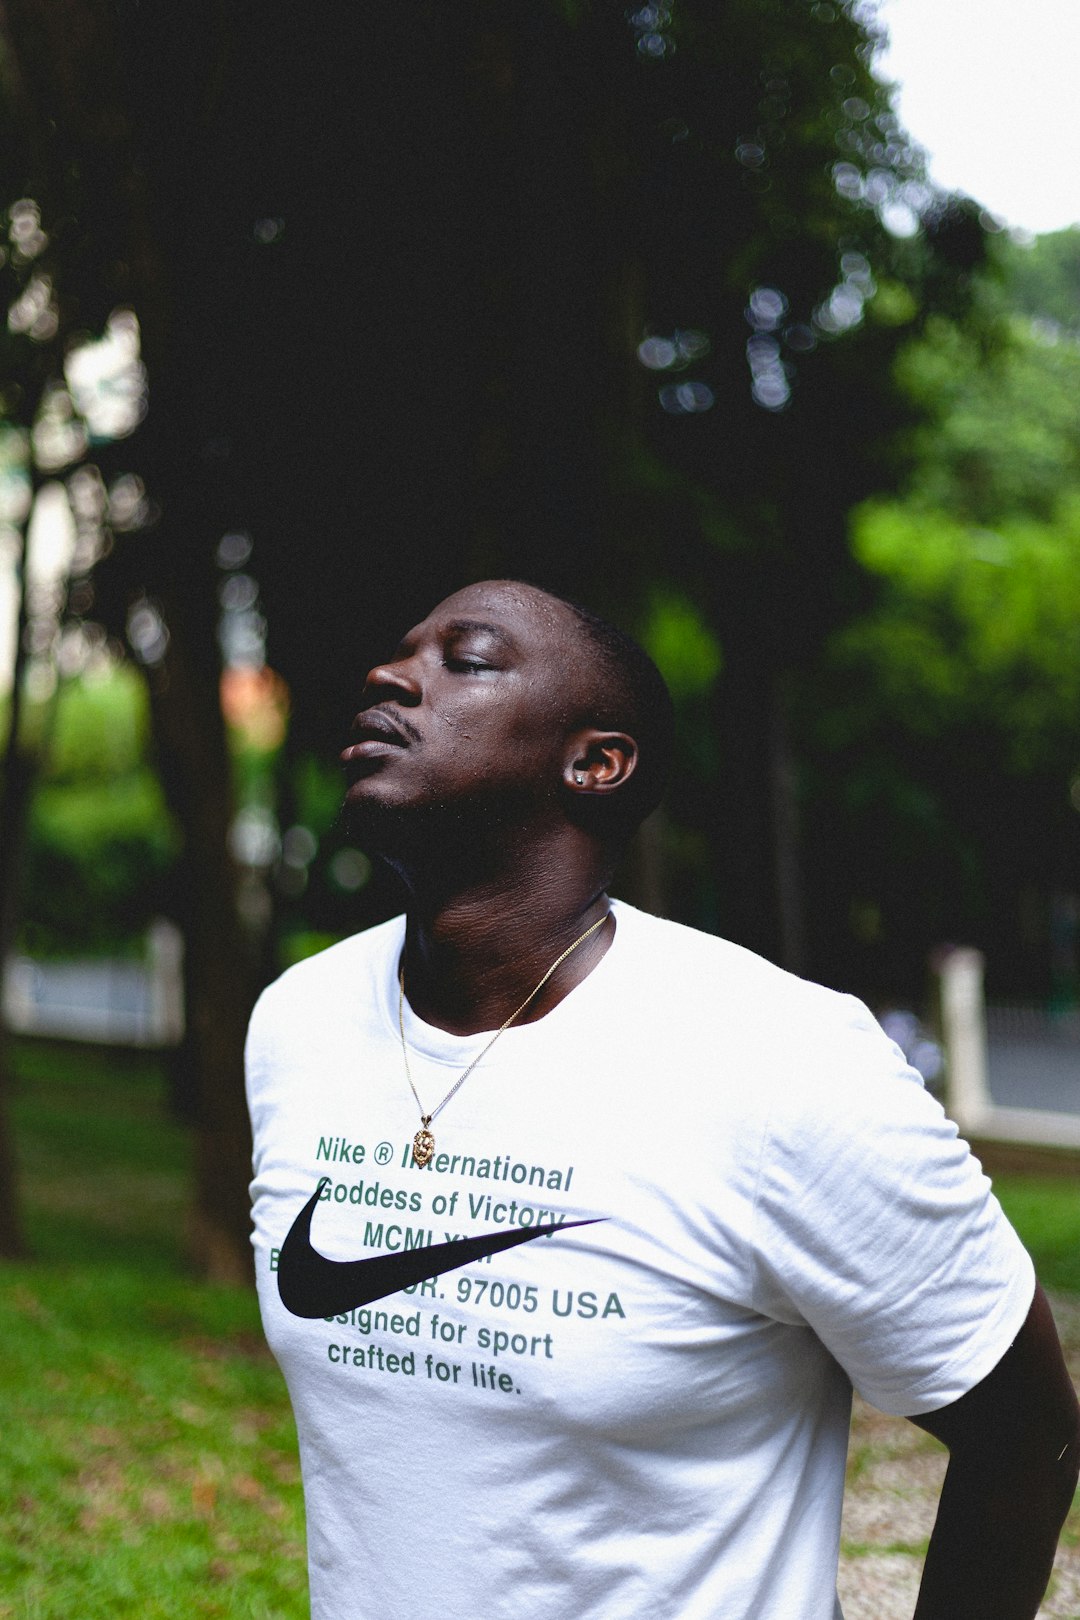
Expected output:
(116, 1002)
(141, 1003)
(968, 1098)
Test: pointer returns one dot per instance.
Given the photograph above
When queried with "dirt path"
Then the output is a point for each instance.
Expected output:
(894, 1477)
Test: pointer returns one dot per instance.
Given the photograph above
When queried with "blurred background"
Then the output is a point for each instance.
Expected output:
(315, 313)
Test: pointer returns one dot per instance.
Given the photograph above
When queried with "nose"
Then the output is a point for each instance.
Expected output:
(396, 681)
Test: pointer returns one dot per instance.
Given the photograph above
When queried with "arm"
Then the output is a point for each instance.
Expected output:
(1014, 1449)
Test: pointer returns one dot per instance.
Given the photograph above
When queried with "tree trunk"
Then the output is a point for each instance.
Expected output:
(755, 823)
(787, 866)
(219, 969)
(18, 774)
(19, 770)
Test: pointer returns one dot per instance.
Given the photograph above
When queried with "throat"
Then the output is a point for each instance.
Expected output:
(492, 983)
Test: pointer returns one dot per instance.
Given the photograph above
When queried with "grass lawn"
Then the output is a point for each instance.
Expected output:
(1046, 1213)
(148, 1464)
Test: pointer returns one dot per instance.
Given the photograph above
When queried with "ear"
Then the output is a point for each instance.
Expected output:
(599, 761)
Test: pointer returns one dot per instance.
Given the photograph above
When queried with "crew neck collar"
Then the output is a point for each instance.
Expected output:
(440, 1046)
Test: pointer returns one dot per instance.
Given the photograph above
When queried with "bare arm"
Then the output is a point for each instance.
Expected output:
(1014, 1451)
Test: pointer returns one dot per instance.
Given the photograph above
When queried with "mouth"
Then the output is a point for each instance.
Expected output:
(374, 732)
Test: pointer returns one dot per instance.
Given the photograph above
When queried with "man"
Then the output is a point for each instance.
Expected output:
(574, 1227)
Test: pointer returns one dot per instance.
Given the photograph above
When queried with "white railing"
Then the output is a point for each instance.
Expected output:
(967, 1091)
(113, 1001)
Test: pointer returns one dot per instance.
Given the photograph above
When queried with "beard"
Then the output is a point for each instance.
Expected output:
(391, 832)
(460, 839)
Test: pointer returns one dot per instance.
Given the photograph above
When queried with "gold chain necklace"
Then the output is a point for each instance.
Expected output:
(423, 1142)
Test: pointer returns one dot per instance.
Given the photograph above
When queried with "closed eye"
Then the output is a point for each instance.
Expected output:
(467, 665)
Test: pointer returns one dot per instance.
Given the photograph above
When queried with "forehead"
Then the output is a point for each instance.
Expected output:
(525, 616)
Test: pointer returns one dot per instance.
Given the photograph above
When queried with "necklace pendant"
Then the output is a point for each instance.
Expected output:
(423, 1146)
(423, 1143)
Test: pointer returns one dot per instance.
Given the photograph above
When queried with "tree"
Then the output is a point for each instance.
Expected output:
(948, 752)
(30, 357)
(643, 355)
(117, 118)
(1043, 277)
(607, 300)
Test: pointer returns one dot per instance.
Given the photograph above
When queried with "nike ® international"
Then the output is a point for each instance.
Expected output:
(311, 1285)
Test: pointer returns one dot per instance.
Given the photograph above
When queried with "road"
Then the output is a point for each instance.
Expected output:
(1032, 1060)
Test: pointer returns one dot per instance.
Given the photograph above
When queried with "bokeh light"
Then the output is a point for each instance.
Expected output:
(234, 550)
(649, 23)
(147, 632)
(687, 398)
(108, 380)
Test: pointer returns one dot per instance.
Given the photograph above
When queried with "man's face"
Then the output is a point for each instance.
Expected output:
(474, 709)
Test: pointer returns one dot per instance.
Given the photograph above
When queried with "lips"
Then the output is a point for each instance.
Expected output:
(374, 732)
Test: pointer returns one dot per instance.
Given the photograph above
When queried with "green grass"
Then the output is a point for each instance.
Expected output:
(874, 1549)
(148, 1465)
(1046, 1213)
(148, 1460)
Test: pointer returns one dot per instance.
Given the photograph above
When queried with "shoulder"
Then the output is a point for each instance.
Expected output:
(730, 984)
(341, 969)
(810, 1064)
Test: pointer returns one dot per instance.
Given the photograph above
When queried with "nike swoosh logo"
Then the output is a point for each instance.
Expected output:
(312, 1285)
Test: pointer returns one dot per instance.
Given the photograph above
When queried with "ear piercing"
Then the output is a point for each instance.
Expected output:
(578, 778)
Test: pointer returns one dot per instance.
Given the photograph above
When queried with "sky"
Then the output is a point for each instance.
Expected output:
(988, 88)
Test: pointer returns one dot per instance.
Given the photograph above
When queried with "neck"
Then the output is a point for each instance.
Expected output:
(472, 956)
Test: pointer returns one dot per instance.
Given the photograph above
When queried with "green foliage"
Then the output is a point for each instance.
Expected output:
(978, 620)
(893, 304)
(101, 727)
(149, 1465)
(1001, 433)
(978, 626)
(947, 726)
(681, 644)
(1044, 277)
(741, 175)
(102, 842)
(300, 944)
(318, 788)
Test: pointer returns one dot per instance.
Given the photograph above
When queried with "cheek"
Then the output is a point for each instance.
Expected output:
(504, 731)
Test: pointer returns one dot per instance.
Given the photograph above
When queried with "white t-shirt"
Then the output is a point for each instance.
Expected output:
(646, 1416)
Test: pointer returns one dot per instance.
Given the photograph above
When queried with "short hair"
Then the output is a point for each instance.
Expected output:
(632, 696)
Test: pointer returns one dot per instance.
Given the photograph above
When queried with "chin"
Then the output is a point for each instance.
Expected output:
(373, 826)
(412, 835)
(386, 829)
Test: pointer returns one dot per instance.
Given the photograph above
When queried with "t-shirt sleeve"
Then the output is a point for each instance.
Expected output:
(275, 1106)
(256, 1049)
(875, 1226)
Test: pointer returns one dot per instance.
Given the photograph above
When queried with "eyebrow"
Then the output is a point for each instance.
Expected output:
(460, 627)
(465, 626)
